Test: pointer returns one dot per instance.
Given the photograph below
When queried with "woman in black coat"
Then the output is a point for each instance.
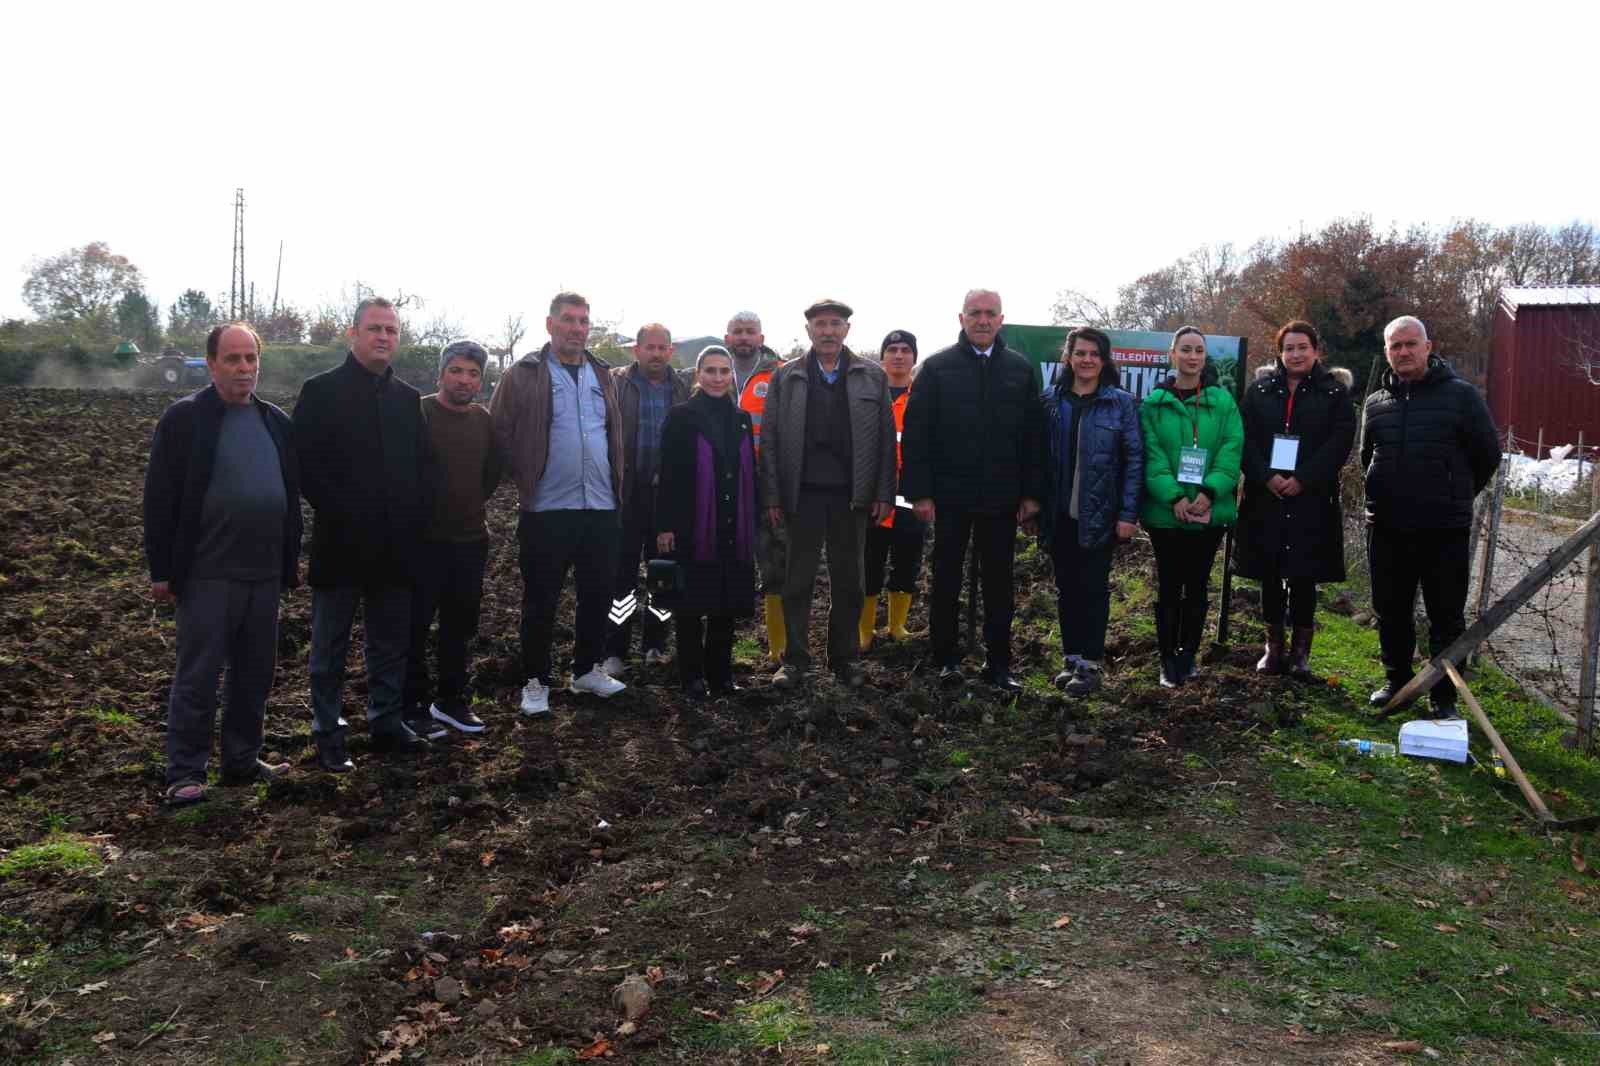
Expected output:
(1299, 424)
(706, 521)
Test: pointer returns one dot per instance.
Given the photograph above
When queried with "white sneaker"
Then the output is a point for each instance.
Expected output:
(598, 682)
(535, 698)
(614, 666)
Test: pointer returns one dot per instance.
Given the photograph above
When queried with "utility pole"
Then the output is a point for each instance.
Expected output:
(276, 280)
(238, 295)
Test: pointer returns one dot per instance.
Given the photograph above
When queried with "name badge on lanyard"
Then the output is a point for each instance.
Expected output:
(1285, 446)
(1192, 466)
(1285, 453)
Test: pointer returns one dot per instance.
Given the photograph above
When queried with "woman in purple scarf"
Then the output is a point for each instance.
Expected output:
(706, 520)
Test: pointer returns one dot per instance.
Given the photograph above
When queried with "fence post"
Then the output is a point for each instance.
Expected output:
(1538, 449)
(1580, 456)
(1486, 579)
(1584, 738)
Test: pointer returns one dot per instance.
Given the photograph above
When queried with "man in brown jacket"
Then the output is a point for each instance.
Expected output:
(827, 468)
(559, 431)
(646, 389)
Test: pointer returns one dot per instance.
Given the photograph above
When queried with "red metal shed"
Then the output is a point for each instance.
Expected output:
(1544, 364)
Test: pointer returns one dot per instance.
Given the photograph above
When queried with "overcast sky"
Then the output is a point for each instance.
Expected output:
(683, 161)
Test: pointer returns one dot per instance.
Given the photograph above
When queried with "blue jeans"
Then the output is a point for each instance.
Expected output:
(386, 618)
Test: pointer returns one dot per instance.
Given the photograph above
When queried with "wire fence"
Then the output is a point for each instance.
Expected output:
(1534, 505)
(1540, 496)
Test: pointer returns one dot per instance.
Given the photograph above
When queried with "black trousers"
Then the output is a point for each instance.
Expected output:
(1083, 591)
(549, 544)
(628, 600)
(995, 538)
(705, 649)
(1183, 585)
(1438, 561)
(825, 522)
(1299, 596)
(448, 583)
(896, 548)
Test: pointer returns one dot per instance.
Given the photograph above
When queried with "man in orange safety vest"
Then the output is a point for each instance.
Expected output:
(753, 364)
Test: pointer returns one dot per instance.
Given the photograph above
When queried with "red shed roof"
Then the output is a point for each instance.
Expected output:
(1550, 296)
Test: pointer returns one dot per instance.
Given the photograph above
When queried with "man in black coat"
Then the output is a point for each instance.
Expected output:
(222, 537)
(1429, 447)
(366, 468)
(972, 447)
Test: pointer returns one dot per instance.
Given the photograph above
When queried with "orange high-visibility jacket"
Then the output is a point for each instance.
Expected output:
(899, 409)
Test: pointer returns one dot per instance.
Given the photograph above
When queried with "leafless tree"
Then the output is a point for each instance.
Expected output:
(1076, 308)
(511, 334)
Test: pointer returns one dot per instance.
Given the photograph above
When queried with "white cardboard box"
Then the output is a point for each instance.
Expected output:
(1445, 739)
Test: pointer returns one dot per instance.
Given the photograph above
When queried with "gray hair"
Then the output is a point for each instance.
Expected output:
(470, 350)
(1401, 323)
(745, 316)
(967, 299)
(371, 301)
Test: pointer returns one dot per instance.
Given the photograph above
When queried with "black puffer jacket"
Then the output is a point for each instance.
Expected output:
(1297, 536)
(366, 467)
(1428, 449)
(974, 431)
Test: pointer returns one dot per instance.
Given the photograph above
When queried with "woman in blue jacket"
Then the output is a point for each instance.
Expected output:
(1095, 473)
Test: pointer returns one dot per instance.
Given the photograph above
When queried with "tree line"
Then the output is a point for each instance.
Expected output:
(1348, 279)
(88, 300)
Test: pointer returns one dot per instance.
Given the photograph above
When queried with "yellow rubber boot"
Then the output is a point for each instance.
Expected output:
(777, 635)
(899, 611)
(869, 618)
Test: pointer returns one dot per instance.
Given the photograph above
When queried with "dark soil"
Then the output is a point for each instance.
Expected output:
(489, 896)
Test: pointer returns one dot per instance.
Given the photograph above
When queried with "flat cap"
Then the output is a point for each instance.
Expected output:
(838, 307)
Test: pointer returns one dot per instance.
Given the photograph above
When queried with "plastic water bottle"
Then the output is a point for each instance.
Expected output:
(1378, 748)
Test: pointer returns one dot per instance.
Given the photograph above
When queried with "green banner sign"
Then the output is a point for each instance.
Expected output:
(1140, 355)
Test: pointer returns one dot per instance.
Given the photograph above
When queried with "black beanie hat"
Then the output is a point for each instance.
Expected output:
(900, 336)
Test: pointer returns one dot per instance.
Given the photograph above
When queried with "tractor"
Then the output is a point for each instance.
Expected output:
(168, 371)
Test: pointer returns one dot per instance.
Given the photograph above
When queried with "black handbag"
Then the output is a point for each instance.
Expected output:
(663, 578)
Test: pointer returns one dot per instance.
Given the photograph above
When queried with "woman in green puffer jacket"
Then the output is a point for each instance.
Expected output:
(1193, 441)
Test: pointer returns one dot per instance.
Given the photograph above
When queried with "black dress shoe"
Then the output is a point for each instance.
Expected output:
(725, 688)
(404, 742)
(259, 772)
(1002, 680)
(331, 755)
(950, 676)
(696, 689)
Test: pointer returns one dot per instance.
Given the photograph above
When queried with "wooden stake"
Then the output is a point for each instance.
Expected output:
(1584, 737)
(1499, 745)
(1495, 616)
(1497, 504)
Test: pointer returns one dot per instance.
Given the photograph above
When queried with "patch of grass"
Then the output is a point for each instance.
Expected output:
(199, 813)
(878, 1050)
(939, 998)
(61, 851)
(550, 1056)
(259, 1051)
(766, 1024)
(959, 757)
(1418, 903)
(749, 651)
(820, 918)
(111, 716)
(278, 915)
(844, 990)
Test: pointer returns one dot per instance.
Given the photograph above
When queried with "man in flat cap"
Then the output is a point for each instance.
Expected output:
(827, 468)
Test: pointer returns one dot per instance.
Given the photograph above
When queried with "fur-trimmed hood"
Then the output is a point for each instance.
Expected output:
(1340, 374)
